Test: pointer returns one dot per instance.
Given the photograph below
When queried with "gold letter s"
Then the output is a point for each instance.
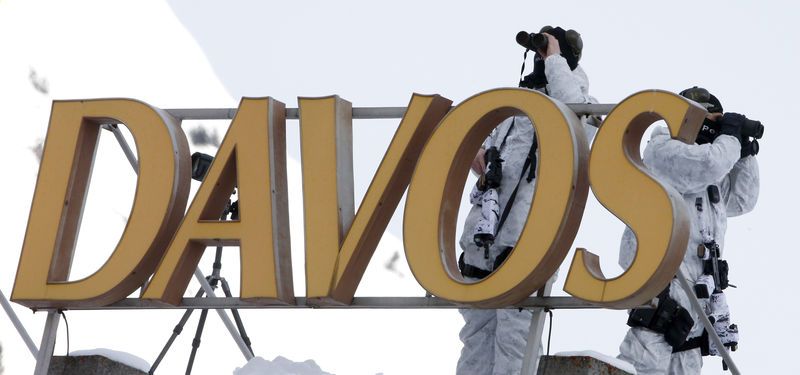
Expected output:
(654, 210)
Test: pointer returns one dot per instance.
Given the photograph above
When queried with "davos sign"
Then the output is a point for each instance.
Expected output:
(430, 155)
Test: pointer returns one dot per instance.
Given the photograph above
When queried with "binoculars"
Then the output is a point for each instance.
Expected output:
(752, 128)
(532, 41)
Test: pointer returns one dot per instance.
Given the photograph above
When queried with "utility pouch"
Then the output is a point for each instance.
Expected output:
(666, 310)
(704, 286)
(722, 266)
(678, 331)
(667, 318)
(701, 291)
(641, 317)
(713, 193)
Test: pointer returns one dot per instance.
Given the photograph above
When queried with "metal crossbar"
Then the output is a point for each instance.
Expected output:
(360, 113)
(18, 325)
(559, 302)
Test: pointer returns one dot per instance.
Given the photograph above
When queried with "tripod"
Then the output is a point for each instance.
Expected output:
(213, 280)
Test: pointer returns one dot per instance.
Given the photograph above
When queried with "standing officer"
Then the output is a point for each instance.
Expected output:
(717, 177)
(495, 340)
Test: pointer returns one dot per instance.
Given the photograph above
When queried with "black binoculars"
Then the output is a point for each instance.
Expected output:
(532, 41)
(752, 128)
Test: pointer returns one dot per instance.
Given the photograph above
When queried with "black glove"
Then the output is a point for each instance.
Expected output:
(731, 124)
(749, 148)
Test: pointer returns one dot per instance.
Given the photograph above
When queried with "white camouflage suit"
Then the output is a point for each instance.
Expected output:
(494, 340)
(690, 169)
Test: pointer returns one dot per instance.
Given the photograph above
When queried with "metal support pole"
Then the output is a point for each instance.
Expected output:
(223, 315)
(114, 128)
(48, 343)
(236, 317)
(18, 325)
(531, 360)
(706, 323)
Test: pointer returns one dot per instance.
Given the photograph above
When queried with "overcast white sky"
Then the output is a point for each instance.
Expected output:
(208, 54)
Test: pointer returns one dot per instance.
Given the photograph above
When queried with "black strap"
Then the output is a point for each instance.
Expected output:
(522, 71)
(471, 271)
(530, 161)
(510, 127)
(502, 257)
(480, 273)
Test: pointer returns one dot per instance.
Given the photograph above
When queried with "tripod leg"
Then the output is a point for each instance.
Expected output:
(216, 267)
(227, 290)
(175, 332)
(196, 341)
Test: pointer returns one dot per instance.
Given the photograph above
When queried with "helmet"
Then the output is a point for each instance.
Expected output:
(703, 97)
(710, 129)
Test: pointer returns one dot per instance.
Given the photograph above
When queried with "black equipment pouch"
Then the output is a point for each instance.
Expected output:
(668, 318)
(713, 193)
(682, 323)
(700, 291)
(641, 317)
(722, 266)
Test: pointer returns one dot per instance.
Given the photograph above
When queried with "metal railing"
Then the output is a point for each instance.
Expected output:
(359, 113)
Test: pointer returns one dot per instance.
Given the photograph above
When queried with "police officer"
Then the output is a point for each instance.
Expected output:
(494, 340)
(717, 177)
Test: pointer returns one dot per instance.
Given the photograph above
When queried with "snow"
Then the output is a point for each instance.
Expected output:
(279, 366)
(616, 362)
(115, 355)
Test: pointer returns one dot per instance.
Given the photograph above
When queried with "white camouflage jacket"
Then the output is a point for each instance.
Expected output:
(565, 85)
(690, 169)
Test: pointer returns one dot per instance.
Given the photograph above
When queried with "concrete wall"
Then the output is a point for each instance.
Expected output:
(89, 365)
(578, 365)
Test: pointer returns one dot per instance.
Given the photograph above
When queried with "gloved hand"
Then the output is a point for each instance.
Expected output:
(749, 148)
(731, 124)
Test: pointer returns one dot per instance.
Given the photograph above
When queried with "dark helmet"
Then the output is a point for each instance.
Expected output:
(710, 129)
(703, 97)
